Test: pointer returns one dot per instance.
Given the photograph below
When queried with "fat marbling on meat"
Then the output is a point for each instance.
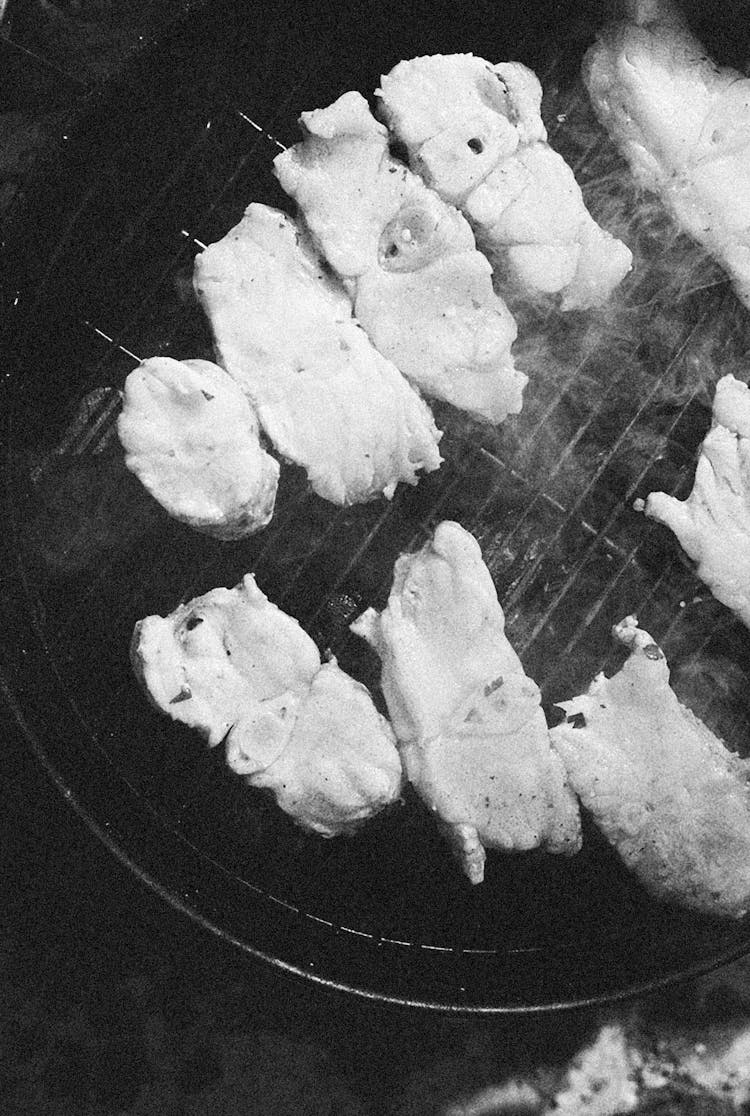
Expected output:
(713, 524)
(668, 795)
(474, 131)
(469, 722)
(682, 123)
(419, 286)
(325, 397)
(192, 439)
(233, 666)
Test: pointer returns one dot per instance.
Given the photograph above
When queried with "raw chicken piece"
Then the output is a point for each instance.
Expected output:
(474, 132)
(236, 668)
(326, 398)
(191, 437)
(683, 124)
(663, 789)
(469, 722)
(713, 524)
(341, 765)
(419, 286)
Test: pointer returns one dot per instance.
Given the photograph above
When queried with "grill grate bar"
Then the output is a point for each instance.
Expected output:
(611, 520)
(555, 402)
(540, 493)
(630, 557)
(613, 584)
(359, 552)
(388, 513)
(603, 465)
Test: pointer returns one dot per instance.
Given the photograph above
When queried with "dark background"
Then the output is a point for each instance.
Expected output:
(111, 1001)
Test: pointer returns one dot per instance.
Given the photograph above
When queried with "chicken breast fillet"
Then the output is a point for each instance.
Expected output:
(673, 801)
(474, 132)
(419, 286)
(325, 397)
(683, 124)
(469, 722)
(233, 666)
(192, 438)
(713, 524)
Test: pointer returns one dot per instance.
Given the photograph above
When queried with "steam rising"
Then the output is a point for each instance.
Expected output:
(617, 404)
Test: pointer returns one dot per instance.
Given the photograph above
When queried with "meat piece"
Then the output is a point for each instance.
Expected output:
(683, 124)
(326, 398)
(673, 801)
(469, 722)
(474, 132)
(340, 766)
(419, 286)
(233, 666)
(713, 524)
(191, 437)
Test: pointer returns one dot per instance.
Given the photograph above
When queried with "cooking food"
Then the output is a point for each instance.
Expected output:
(713, 524)
(683, 124)
(469, 723)
(317, 321)
(326, 398)
(419, 286)
(192, 438)
(474, 132)
(239, 670)
(673, 801)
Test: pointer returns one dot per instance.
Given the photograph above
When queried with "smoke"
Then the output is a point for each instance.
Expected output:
(617, 404)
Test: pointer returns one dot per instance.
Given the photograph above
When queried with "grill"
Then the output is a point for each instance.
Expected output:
(617, 404)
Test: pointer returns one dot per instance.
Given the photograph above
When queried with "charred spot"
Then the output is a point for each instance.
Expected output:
(475, 145)
(327, 270)
(554, 714)
(399, 151)
(192, 622)
(577, 721)
(207, 395)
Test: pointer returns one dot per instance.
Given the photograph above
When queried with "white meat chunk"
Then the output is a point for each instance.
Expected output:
(470, 726)
(683, 124)
(668, 795)
(192, 439)
(713, 524)
(325, 397)
(233, 666)
(419, 286)
(341, 765)
(474, 132)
